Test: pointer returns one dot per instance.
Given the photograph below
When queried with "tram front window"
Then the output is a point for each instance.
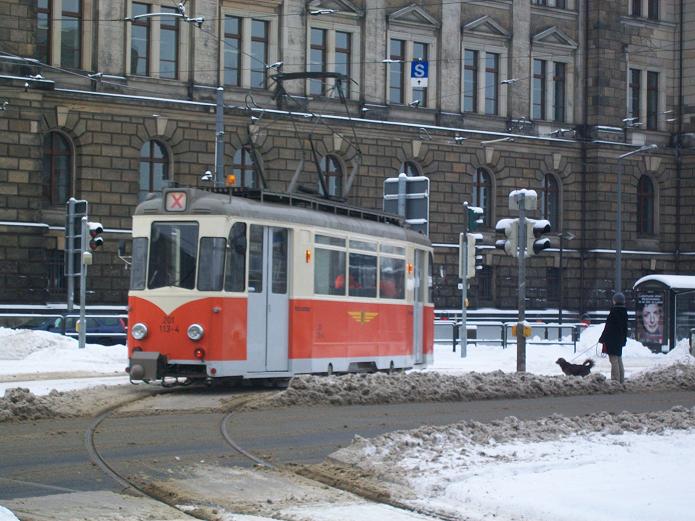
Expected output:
(173, 253)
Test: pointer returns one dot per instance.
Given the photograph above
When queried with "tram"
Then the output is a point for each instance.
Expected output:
(255, 284)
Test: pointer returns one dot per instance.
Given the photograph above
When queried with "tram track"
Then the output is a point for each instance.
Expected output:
(133, 487)
(324, 475)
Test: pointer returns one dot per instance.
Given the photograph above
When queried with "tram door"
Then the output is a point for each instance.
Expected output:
(418, 304)
(268, 301)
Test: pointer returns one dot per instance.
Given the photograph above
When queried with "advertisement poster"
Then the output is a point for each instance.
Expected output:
(649, 313)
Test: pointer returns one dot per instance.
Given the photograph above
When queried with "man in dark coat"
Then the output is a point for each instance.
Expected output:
(614, 336)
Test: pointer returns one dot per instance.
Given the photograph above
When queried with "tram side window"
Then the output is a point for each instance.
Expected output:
(329, 266)
(362, 279)
(173, 255)
(392, 278)
(138, 269)
(211, 270)
(256, 259)
(235, 274)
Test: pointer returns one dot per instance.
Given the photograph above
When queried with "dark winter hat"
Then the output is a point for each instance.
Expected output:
(619, 299)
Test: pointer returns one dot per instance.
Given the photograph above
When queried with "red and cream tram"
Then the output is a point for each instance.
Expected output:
(272, 286)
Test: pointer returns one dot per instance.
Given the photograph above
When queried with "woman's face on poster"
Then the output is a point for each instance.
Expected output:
(651, 315)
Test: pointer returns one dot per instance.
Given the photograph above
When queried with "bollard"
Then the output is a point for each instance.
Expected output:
(454, 336)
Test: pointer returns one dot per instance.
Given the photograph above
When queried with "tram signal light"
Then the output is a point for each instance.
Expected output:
(535, 242)
(76, 209)
(95, 231)
(475, 217)
(474, 262)
(510, 228)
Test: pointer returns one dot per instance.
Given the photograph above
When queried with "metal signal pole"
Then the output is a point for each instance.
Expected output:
(520, 338)
(463, 262)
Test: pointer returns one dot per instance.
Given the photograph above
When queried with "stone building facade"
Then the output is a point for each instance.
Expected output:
(107, 100)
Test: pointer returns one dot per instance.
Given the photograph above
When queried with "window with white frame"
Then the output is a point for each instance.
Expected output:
(155, 41)
(644, 9)
(60, 32)
(403, 50)
(333, 47)
(317, 60)
(470, 80)
(168, 44)
(644, 98)
(260, 43)
(249, 45)
(232, 50)
(549, 87)
(420, 54)
(483, 70)
(559, 4)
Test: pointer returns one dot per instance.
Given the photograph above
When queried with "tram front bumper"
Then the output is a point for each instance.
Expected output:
(145, 365)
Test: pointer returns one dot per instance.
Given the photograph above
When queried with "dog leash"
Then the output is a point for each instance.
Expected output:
(593, 346)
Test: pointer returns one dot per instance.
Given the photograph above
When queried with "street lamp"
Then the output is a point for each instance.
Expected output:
(619, 215)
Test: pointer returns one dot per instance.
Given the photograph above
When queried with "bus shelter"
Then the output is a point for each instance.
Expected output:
(664, 310)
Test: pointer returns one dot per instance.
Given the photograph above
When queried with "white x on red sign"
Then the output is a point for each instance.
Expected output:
(176, 202)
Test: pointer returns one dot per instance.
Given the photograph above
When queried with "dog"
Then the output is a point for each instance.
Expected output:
(575, 369)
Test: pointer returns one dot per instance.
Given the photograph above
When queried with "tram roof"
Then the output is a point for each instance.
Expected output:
(285, 208)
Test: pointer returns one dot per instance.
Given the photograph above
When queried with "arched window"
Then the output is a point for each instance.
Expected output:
(645, 206)
(57, 169)
(482, 194)
(410, 169)
(244, 168)
(154, 168)
(550, 201)
(333, 173)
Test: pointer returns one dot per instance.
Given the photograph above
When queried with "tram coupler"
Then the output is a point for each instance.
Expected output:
(145, 365)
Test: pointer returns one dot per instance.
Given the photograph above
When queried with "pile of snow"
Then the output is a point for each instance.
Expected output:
(20, 404)
(598, 467)
(379, 388)
(26, 352)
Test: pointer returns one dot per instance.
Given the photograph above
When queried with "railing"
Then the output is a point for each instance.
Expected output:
(498, 332)
(101, 328)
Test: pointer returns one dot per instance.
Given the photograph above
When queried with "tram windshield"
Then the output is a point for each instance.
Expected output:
(173, 253)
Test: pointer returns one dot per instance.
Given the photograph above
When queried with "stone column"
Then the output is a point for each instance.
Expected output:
(520, 61)
(293, 30)
(111, 52)
(450, 90)
(374, 50)
(206, 44)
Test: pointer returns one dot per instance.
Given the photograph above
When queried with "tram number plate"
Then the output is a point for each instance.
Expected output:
(168, 326)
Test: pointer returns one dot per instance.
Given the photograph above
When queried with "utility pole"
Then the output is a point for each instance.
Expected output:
(219, 138)
(83, 284)
(463, 275)
(520, 338)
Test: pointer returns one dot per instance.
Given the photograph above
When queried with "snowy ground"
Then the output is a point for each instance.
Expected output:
(610, 467)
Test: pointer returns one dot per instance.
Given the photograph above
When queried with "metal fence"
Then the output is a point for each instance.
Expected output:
(500, 333)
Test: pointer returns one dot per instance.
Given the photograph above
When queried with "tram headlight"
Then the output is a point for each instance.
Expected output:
(195, 331)
(138, 331)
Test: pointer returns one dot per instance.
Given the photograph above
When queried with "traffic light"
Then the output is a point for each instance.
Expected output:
(510, 228)
(95, 231)
(76, 209)
(474, 261)
(535, 242)
(475, 217)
